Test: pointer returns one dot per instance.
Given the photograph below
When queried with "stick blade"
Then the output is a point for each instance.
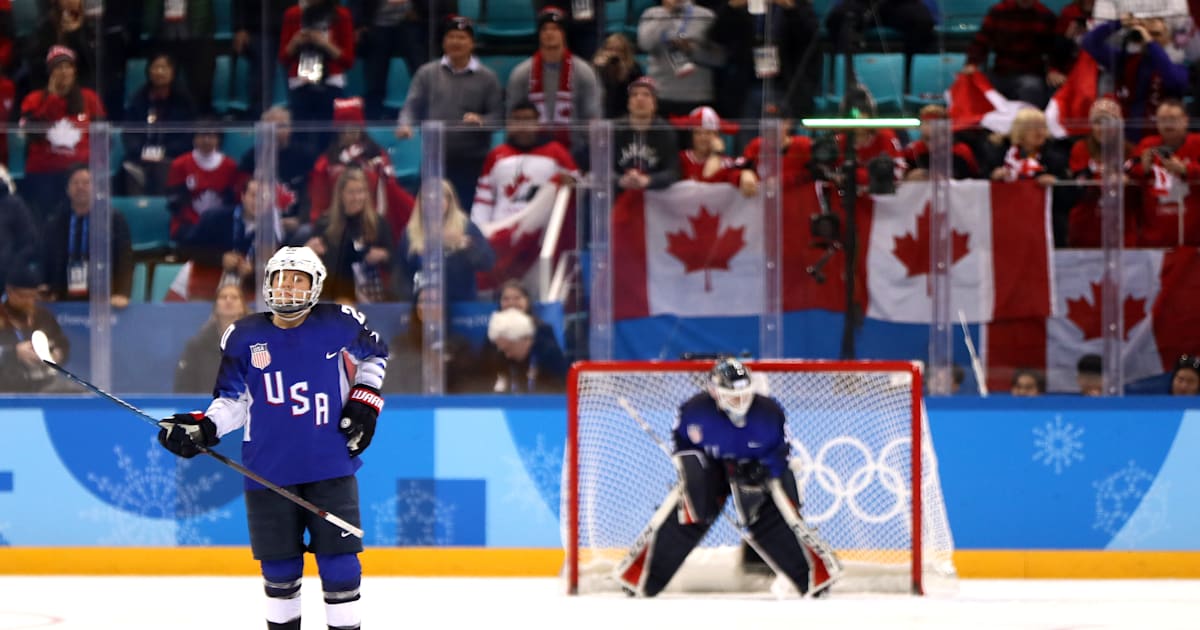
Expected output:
(41, 346)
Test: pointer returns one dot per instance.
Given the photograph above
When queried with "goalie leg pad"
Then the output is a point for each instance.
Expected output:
(703, 493)
(281, 582)
(779, 546)
(823, 566)
(660, 550)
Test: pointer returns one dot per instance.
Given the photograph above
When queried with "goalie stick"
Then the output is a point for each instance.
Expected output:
(41, 346)
(811, 542)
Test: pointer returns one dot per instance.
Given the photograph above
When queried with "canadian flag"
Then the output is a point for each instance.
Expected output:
(1000, 252)
(517, 238)
(699, 246)
(1160, 322)
(974, 102)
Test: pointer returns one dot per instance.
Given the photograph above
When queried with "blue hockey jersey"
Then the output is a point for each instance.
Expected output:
(286, 387)
(703, 426)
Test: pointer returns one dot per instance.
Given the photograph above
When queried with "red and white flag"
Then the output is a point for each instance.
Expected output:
(698, 246)
(1001, 247)
(1160, 321)
(974, 102)
(517, 239)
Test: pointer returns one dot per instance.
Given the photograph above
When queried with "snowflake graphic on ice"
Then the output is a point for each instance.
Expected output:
(4, 541)
(540, 464)
(1058, 444)
(154, 493)
(411, 518)
(1119, 494)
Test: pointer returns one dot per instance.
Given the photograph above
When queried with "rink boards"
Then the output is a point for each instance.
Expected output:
(1057, 487)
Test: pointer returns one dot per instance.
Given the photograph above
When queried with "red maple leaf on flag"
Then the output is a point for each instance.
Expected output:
(710, 248)
(1086, 314)
(913, 251)
(511, 188)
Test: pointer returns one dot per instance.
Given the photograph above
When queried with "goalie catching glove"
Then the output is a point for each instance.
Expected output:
(187, 434)
(358, 417)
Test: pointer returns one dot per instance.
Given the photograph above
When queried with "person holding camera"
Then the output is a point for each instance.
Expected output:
(1167, 166)
(682, 57)
(1144, 76)
(316, 45)
(1028, 62)
(617, 69)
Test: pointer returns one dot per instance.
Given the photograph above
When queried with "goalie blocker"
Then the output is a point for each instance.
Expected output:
(767, 511)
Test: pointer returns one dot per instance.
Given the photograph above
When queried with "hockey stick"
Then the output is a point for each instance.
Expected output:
(802, 530)
(976, 365)
(41, 346)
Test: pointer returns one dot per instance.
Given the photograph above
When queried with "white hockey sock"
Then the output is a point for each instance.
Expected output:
(283, 610)
(342, 615)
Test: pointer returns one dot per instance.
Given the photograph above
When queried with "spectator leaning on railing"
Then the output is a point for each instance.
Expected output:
(706, 161)
(1167, 167)
(645, 151)
(1087, 166)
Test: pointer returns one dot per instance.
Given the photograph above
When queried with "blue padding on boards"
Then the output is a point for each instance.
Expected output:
(441, 512)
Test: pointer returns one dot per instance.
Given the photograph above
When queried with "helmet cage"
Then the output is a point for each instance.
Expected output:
(286, 301)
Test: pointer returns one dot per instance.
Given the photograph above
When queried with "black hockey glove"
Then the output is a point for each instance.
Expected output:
(358, 418)
(187, 434)
(748, 472)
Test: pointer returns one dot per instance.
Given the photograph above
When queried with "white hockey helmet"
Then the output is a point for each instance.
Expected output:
(732, 386)
(287, 302)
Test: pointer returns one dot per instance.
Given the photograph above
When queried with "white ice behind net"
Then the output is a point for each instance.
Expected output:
(850, 434)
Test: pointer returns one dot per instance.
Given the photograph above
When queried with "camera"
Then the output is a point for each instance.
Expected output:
(824, 156)
(1134, 36)
(881, 177)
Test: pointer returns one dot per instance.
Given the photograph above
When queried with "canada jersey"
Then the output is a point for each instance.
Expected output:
(702, 426)
(287, 388)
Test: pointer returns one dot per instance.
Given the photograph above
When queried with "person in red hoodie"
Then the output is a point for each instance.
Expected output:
(316, 45)
(1167, 167)
(55, 120)
(353, 147)
(706, 161)
(200, 180)
(796, 151)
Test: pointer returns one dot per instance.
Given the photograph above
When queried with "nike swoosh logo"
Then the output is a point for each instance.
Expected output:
(345, 534)
(330, 355)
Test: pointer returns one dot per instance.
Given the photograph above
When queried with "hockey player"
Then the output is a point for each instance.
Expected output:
(284, 375)
(730, 441)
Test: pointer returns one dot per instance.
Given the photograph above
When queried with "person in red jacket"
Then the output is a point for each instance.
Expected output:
(796, 151)
(353, 147)
(706, 161)
(1167, 167)
(1087, 167)
(316, 46)
(201, 180)
(55, 120)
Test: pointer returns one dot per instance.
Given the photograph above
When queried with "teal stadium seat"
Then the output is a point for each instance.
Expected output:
(469, 9)
(235, 143)
(507, 20)
(25, 17)
(137, 290)
(616, 16)
(405, 156)
(231, 84)
(135, 76)
(503, 65)
(16, 155)
(280, 88)
(962, 18)
(223, 17)
(931, 76)
(160, 280)
(882, 74)
(149, 221)
(356, 80)
(398, 80)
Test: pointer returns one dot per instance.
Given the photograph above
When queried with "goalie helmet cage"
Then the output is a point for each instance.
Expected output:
(852, 426)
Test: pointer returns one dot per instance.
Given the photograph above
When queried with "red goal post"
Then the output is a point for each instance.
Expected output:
(852, 425)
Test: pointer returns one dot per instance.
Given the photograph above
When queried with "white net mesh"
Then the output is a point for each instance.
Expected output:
(850, 426)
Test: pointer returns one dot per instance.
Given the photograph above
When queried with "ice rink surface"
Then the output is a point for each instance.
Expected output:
(186, 603)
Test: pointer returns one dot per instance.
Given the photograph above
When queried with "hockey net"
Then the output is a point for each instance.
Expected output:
(852, 426)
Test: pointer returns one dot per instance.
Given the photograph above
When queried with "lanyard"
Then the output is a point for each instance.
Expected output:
(81, 251)
(241, 241)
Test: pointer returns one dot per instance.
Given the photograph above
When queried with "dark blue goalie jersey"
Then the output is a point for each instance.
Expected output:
(286, 387)
(702, 426)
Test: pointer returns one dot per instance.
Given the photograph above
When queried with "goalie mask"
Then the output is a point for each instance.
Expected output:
(287, 302)
(733, 389)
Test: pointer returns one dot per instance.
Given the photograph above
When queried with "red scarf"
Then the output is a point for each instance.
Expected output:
(560, 115)
(1018, 165)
